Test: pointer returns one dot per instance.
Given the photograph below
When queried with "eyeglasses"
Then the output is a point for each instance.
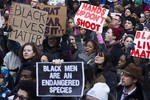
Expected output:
(16, 95)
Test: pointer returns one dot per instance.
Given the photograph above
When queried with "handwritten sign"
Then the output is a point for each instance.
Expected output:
(28, 24)
(56, 21)
(91, 17)
(142, 47)
(65, 80)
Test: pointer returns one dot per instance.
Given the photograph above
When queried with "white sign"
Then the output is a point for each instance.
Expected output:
(91, 17)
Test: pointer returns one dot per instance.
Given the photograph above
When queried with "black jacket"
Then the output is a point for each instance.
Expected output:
(136, 95)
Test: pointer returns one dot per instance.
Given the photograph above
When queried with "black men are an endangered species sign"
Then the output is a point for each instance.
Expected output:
(60, 80)
(28, 23)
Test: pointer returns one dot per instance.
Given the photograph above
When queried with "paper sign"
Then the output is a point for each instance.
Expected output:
(64, 80)
(56, 22)
(28, 24)
(91, 17)
(142, 47)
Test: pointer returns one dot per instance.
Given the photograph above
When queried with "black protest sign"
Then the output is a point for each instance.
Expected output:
(64, 80)
(56, 21)
(28, 23)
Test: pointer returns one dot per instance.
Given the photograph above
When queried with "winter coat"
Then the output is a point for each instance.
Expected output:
(136, 95)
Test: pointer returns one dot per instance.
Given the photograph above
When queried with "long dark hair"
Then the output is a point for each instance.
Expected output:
(105, 53)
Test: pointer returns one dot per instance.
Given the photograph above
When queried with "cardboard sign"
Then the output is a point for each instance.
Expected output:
(28, 24)
(91, 17)
(56, 21)
(142, 47)
(65, 80)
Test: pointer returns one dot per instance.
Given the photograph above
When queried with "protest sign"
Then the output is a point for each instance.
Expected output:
(28, 23)
(114, 14)
(56, 21)
(63, 80)
(91, 17)
(142, 47)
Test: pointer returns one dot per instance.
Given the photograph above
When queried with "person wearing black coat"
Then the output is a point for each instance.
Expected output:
(130, 88)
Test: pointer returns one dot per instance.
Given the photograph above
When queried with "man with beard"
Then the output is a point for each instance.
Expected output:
(130, 88)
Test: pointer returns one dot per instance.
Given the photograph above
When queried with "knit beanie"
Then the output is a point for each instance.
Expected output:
(99, 91)
(117, 32)
(138, 2)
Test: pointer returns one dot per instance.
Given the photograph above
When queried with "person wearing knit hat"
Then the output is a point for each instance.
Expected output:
(147, 27)
(117, 32)
(146, 11)
(130, 89)
(99, 91)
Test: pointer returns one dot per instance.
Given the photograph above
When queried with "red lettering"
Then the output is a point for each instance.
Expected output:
(92, 16)
(135, 53)
(88, 25)
(103, 12)
(148, 45)
(99, 9)
(138, 35)
(143, 35)
(80, 12)
(84, 6)
(138, 44)
(102, 20)
(148, 54)
(144, 44)
(89, 8)
(148, 37)
(143, 54)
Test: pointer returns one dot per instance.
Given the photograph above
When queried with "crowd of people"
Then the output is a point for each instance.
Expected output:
(110, 72)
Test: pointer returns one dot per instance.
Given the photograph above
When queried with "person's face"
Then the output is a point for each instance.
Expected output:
(128, 41)
(75, 6)
(52, 41)
(122, 61)
(127, 13)
(89, 48)
(135, 16)
(99, 58)
(82, 31)
(72, 40)
(142, 19)
(34, 3)
(90, 98)
(147, 14)
(28, 52)
(71, 23)
(127, 80)
(44, 58)
(3, 20)
(128, 25)
(21, 95)
(146, 29)
(109, 35)
(1, 80)
(116, 21)
(26, 75)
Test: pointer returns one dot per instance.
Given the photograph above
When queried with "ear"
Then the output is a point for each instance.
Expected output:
(114, 37)
(135, 80)
(34, 54)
